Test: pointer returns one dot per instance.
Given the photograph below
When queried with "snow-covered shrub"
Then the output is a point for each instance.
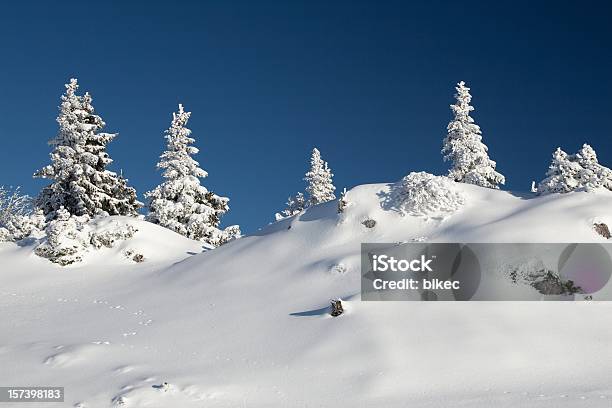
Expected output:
(17, 221)
(464, 148)
(68, 237)
(580, 171)
(108, 237)
(181, 203)
(425, 194)
(295, 205)
(65, 239)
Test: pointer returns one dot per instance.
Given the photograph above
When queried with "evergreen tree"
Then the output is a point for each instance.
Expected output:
(593, 175)
(563, 174)
(81, 183)
(573, 172)
(64, 239)
(295, 205)
(464, 148)
(180, 203)
(320, 186)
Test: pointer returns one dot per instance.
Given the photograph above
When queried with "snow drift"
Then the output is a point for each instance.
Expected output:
(247, 324)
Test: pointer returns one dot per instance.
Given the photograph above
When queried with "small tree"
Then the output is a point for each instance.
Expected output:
(463, 146)
(562, 175)
(64, 241)
(295, 205)
(16, 218)
(574, 172)
(81, 183)
(593, 174)
(320, 186)
(180, 203)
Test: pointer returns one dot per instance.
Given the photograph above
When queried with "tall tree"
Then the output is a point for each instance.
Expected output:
(181, 203)
(81, 182)
(463, 146)
(320, 186)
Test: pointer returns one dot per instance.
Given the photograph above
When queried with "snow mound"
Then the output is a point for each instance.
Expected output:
(248, 324)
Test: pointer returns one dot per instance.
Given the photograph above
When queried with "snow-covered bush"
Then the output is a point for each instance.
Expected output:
(295, 205)
(65, 239)
(181, 203)
(81, 183)
(320, 186)
(108, 237)
(428, 195)
(17, 221)
(580, 171)
(68, 237)
(463, 146)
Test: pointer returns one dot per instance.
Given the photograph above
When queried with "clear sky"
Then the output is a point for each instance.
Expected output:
(368, 83)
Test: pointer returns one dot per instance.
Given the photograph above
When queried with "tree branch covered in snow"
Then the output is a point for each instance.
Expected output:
(17, 221)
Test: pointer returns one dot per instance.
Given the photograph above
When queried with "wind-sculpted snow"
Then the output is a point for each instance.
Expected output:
(248, 324)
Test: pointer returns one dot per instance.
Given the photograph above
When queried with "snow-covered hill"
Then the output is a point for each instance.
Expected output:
(247, 324)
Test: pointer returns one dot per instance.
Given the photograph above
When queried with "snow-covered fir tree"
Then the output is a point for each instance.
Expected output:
(320, 187)
(181, 203)
(593, 175)
(580, 171)
(295, 205)
(562, 175)
(463, 146)
(81, 182)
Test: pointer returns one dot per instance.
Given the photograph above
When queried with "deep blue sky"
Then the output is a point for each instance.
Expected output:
(369, 83)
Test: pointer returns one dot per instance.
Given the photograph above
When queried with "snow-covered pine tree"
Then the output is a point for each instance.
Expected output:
(563, 174)
(295, 204)
(463, 146)
(181, 203)
(593, 175)
(320, 186)
(81, 183)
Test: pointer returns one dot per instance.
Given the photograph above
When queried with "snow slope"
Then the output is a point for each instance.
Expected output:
(247, 324)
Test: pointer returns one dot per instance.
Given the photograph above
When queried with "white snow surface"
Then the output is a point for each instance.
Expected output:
(247, 324)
